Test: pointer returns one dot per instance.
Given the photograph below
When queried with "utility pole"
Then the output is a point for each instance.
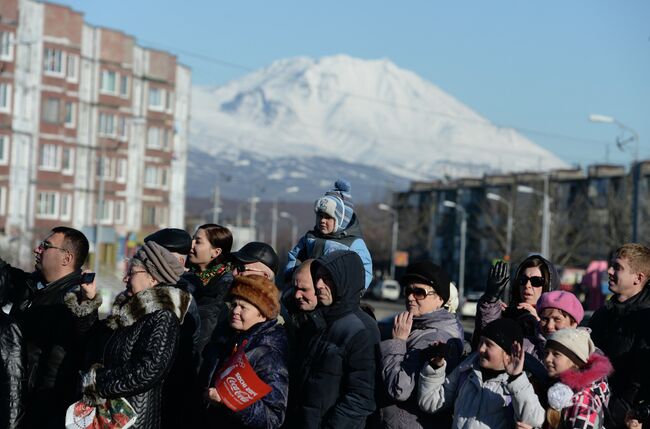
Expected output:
(216, 205)
(546, 220)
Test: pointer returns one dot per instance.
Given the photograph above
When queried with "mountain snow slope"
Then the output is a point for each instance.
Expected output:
(352, 111)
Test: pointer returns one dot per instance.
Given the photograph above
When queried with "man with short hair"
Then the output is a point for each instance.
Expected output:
(50, 330)
(255, 258)
(619, 329)
(304, 292)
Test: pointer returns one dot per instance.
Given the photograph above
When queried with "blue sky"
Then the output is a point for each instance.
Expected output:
(538, 66)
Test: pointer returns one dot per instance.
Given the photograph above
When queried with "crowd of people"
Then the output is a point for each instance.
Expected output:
(192, 311)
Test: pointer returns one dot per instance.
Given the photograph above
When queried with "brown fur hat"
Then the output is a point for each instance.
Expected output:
(259, 291)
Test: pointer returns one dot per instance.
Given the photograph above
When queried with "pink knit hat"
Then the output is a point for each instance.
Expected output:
(562, 300)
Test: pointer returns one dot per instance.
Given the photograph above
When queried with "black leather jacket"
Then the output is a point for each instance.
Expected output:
(12, 373)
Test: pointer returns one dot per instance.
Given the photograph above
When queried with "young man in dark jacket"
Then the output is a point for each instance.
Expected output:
(49, 329)
(619, 329)
(336, 375)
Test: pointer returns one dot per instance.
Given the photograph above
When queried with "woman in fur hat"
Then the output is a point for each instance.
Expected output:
(580, 393)
(142, 335)
(254, 303)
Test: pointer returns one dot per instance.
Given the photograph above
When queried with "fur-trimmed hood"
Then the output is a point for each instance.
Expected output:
(127, 310)
(598, 366)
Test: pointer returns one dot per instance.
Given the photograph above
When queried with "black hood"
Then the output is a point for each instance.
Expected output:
(346, 269)
(552, 283)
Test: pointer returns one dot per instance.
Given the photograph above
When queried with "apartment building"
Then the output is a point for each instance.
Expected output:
(93, 130)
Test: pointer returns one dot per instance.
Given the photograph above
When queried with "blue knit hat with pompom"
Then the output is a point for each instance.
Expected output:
(338, 204)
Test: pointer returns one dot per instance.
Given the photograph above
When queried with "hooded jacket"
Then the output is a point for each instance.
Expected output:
(496, 403)
(401, 362)
(581, 395)
(487, 311)
(333, 385)
(143, 332)
(51, 339)
(314, 244)
(620, 331)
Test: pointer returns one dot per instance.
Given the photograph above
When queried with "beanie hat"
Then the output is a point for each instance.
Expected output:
(159, 263)
(562, 300)
(575, 343)
(338, 204)
(504, 332)
(259, 291)
(428, 273)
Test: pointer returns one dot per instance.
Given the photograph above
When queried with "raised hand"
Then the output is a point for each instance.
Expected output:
(515, 363)
(402, 325)
(88, 290)
(529, 308)
(497, 281)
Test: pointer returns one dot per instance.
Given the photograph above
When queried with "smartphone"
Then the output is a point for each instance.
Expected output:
(87, 278)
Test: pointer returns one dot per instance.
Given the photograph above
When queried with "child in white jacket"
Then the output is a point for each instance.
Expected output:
(487, 390)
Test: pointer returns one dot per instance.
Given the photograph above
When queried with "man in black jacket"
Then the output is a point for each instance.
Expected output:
(620, 330)
(49, 328)
(335, 378)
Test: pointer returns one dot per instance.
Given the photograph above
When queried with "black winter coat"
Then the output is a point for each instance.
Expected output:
(333, 384)
(52, 342)
(12, 373)
(267, 351)
(212, 308)
(620, 331)
(140, 351)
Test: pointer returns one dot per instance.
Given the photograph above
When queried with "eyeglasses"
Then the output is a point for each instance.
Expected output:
(243, 268)
(133, 273)
(47, 245)
(418, 293)
(535, 281)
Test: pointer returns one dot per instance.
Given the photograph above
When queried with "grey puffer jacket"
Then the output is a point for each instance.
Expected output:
(401, 362)
(496, 403)
(488, 311)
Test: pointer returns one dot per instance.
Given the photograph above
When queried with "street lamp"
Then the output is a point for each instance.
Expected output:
(463, 239)
(294, 226)
(546, 214)
(274, 215)
(495, 197)
(636, 166)
(393, 243)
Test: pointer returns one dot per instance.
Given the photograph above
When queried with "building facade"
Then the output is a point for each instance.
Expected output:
(93, 130)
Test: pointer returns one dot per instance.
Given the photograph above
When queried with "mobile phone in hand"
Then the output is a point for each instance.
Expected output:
(87, 278)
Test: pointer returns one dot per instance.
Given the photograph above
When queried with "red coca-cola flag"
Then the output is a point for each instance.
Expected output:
(237, 383)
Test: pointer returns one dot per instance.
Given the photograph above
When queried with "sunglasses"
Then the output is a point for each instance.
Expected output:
(535, 281)
(47, 245)
(418, 292)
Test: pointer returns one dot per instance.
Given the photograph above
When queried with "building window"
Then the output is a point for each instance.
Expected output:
(69, 114)
(48, 205)
(149, 215)
(106, 212)
(3, 200)
(49, 157)
(4, 150)
(73, 68)
(120, 174)
(124, 86)
(151, 177)
(164, 177)
(5, 97)
(53, 62)
(6, 46)
(119, 212)
(156, 99)
(107, 125)
(109, 82)
(51, 111)
(169, 101)
(154, 138)
(104, 167)
(67, 160)
(66, 206)
(123, 128)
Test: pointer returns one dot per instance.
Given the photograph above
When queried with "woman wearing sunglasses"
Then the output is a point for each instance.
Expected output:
(534, 276)
(424, 329)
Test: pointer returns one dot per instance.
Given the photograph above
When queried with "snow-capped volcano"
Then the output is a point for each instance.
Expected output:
(367, 112)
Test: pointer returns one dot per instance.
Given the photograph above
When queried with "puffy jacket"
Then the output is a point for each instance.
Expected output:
(620, 331)
(334, 382)
(494, 404)
(52, 342)
(487, 311)
(401, 363)
(581, 395)
(140, 351)
(12, 373)
(266, 350)
(314, 245)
